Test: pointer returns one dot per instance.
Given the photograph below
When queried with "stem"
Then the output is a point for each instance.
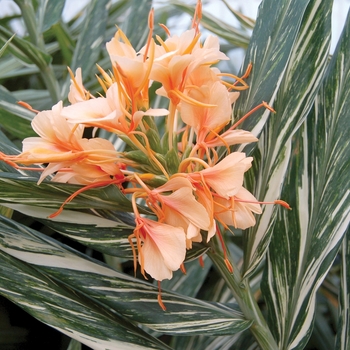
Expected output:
(171, 118)
(36, 38)
(245, 299)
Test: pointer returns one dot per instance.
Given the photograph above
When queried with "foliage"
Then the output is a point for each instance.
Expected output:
(290, 281)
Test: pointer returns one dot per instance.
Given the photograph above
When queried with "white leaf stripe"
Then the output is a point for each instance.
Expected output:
(67, 310)
(343, 333)
(307, 239)
(120, 292)
(301, 81)
(269, 51)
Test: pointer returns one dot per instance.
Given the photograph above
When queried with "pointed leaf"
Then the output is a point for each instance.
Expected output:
(299, 85)
(15, 119)
(106, 236)
(49, 13)
(67, 310)
(269, 51)
(23, 189)
(24, 50)
(306, 239)
(343, 329)
(91, 38)
(134, 299)
(135, 26)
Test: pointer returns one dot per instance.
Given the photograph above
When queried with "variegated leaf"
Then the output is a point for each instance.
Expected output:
(343, 329)
(301, 81)
(125, 295)
(66, 309)
(269, 51)
(138, 9)
(90, 40)
(104, 235)
(16, 188)
(306, 239)
(235, 36)
(24, 50)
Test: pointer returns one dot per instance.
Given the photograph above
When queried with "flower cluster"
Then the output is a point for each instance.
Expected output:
(186, 175)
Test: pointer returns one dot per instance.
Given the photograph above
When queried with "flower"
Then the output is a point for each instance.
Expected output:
(77, 92)
(105, 112)
(163, 247)
(225, 177)
(237, 211)
(62, 146)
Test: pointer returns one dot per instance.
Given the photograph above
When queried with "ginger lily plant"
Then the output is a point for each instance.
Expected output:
(173, 161)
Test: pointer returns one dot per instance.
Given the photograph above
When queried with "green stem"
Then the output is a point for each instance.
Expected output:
(36, 38)
(245, 299)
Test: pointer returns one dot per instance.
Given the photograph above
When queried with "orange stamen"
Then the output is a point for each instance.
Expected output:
(28, 106)
(150, 34)
(197, 16)
(160, 302)
(83, 189)
(248, 71)
(165, 28)
(263, 104)
(283, 203)
(223, 246)
(277, 201)
(201, 261)
(183, 269)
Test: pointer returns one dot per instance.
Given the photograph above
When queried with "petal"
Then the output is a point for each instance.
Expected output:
(232, 137)
(226, 177)
(184, 202)
(164, 249)
(174, 184)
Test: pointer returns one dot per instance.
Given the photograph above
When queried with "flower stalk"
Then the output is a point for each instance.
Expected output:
(245, 299)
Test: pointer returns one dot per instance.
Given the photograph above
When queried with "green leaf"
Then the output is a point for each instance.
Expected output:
(190, 283)
(301, 80)
(2, 50)
(68, 310)
(135, 26)
(24, 50)
(130, 297)
(15, 119)
(234, 36)
(17, 188)
(49, 13)
(343, 329)
(269, 51)
(306, 239)
(65, 41)
(91, 38)
(106, 236)
(245, 21)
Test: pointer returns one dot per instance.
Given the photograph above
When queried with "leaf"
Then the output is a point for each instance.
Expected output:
(269, 51)
(190, 283)
(91, 38)
(245, 21)
(24, 50)
(234, 36)
(15, 119)
(306, 240)
(135, 26)
(299, 84)
(67, 310)
(2, 50)
(100, 285)
(343, 329)
(23, 189)
(106, 236)
(49, 13)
